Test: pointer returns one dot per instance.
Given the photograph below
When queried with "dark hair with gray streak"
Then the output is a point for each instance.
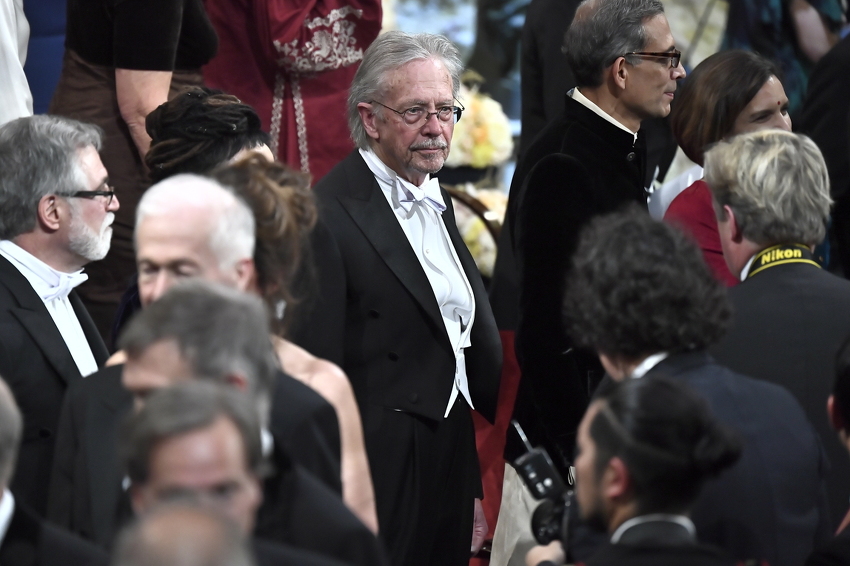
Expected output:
(218, 331)
(39, 156)
(11, 427)
(183, 408)
(604, 30)
(390, 51)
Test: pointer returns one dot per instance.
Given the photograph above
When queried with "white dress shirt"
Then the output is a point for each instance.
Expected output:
(15, 96)
(423, 225)
(681, 520)
(53, 287)
(7, 509)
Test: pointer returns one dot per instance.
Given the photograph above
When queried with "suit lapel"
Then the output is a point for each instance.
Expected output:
(33, 316)
(104, 411)
(369, 209)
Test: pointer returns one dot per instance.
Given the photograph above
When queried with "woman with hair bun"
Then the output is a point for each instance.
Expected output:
(199, 130)
(285, 213)
(729, 93)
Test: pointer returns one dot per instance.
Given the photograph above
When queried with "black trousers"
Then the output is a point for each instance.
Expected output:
(426, 477)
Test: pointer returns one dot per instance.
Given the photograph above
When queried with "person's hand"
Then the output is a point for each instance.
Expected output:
(553, 552)
(479, 527)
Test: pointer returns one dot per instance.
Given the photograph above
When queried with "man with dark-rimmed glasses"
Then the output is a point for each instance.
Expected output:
(411, 324)
(56, 211)
(588, 162)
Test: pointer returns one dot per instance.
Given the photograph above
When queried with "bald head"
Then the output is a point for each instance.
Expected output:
(182, 535)
(190, 226)
(11, 425)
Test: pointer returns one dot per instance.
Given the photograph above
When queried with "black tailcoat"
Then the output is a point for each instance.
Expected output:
(37, 365)
(397, 354)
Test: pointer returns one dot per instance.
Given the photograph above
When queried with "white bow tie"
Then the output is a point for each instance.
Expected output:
(429, 193)
(66, 284)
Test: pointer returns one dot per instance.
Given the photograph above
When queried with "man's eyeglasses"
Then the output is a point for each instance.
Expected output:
(92, 194)
(416, 116)
(673, 57)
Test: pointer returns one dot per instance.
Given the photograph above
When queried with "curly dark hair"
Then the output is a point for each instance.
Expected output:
(198, 130)
(285, 214)
(638, 287)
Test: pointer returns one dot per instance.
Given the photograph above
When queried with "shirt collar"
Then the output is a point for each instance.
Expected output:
(47, 282)
(7, 509)
(648, 363)
(576, 95)
(685, 522)
(747, 267)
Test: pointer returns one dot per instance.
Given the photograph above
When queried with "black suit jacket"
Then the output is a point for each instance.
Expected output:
(32, 542)
(300, 511)
(272, 554)
(789, 321)
(396, 350)
(37, 365)
(834, 553)
(579, 167)
(86, 495)
(771, 505)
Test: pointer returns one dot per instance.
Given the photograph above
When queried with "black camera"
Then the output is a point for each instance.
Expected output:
(550, 520)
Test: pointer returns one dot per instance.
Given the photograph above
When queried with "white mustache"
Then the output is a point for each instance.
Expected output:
(430, 144)
(107, 222)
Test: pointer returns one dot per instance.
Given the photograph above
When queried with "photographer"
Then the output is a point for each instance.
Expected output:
(644, 449)
(640, 295)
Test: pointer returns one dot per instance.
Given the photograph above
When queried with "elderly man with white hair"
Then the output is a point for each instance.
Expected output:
(187, 227)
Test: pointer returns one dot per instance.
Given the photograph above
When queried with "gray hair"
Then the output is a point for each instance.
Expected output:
(183, 408)
(218, 331)
(232, 234)
(775, 182)
(11, 426)
(390, 51)
(39, 156)
(182, 534)
(604, 30)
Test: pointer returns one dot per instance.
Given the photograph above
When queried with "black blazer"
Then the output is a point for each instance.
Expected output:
(37, 365)
(300, 511)
(272, 554)
(86, 495)
(771, 504)
(789, 321)
(395, 350)
(579, 167)
(32, 542)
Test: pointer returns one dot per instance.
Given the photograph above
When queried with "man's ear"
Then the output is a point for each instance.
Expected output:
(734, 229)
(49, 213)
(368, 117)
(619, 73)
(616, 480)
(836, 419)
(137, 499)
(246, 274)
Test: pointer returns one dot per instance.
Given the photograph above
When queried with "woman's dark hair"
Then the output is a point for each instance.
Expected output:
(198, 130)
(668, 438)
(638, 287)
(709, 101)
(285, 213)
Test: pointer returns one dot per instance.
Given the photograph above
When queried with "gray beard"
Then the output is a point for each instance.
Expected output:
(88, 244)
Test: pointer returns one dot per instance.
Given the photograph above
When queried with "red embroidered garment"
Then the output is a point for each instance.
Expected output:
(293, 61)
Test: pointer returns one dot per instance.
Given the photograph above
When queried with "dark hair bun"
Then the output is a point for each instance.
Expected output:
(718, 449)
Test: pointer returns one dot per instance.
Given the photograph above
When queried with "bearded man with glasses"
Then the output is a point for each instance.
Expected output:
(56, 211)
(408, 319)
